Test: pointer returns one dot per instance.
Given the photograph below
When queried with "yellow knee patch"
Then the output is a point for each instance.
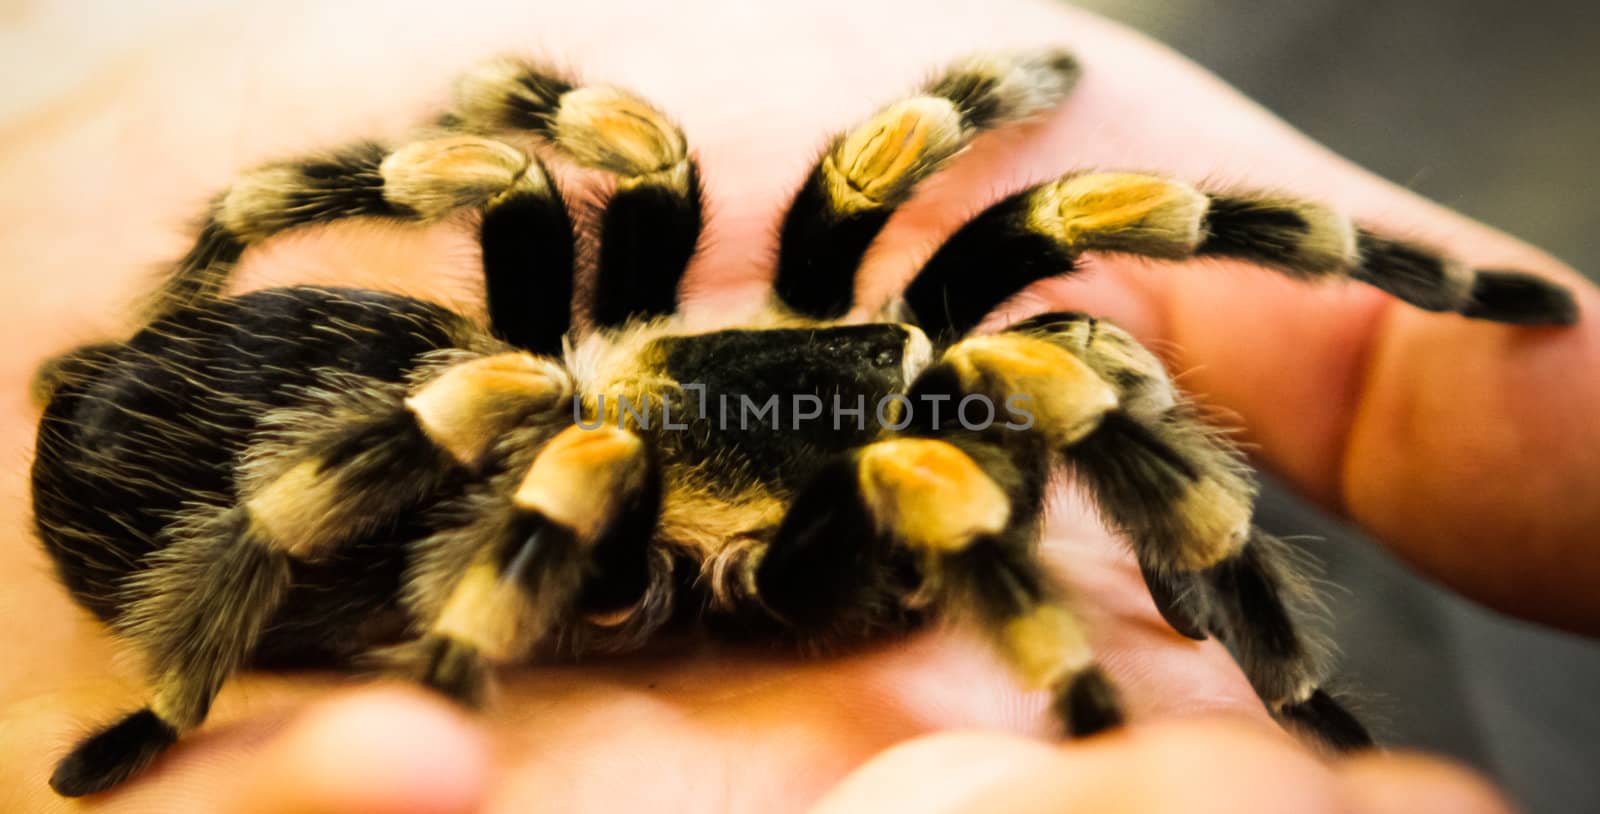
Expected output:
(299, 510)
(252, 206)
(581, 477)
(877, 163)
(1063, 393)
(614, 130)
(469, 406)
(1045, 645)
(1218, 521)
(1113, 211)
(436, 176)
(930, 494)
(486, 612)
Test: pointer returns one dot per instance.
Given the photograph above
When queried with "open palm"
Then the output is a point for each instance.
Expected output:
(1394, 417)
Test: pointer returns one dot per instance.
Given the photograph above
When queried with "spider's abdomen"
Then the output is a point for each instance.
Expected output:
(141, 429)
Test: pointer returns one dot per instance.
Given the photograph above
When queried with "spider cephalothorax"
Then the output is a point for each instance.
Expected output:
(319, 476)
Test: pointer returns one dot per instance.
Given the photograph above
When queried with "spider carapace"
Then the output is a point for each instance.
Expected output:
(312, 475)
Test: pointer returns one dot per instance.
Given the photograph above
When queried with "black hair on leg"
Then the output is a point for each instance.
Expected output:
(822, 573)
(317, 476)
(1329, 721)
(1309, 240)
(565, 535)
(1519, 298)
(528, 263)
(422, 180)
(1003, 585)
(1040, 232)
(651, 225)
(648, 232)
(1180, 598)
(196, 614)
(870, 171)
(1263, 600)
(113, 754)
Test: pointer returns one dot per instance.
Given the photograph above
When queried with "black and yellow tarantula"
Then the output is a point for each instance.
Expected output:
(313, 475)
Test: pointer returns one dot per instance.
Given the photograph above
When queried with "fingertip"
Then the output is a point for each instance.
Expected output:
(385, 750)
(935, 773)
(1202, 764)
(1412, 784)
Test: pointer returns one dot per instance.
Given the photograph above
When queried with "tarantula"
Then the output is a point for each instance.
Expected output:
(313, 475)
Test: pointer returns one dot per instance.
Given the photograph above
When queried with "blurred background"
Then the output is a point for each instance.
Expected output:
(1492, 109)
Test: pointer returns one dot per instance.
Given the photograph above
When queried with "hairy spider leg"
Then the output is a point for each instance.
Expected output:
(526, 234)
(565, 537)
(1183, 497)
(1040, 232)
(960, 516)
(327, 475)
(650, 225)
(1259, 593)
(868, 172)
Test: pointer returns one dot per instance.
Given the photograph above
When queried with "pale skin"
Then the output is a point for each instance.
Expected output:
(1466, 447)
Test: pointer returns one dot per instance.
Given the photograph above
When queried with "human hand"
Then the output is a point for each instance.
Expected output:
(1192, 765)
(1403, 420)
